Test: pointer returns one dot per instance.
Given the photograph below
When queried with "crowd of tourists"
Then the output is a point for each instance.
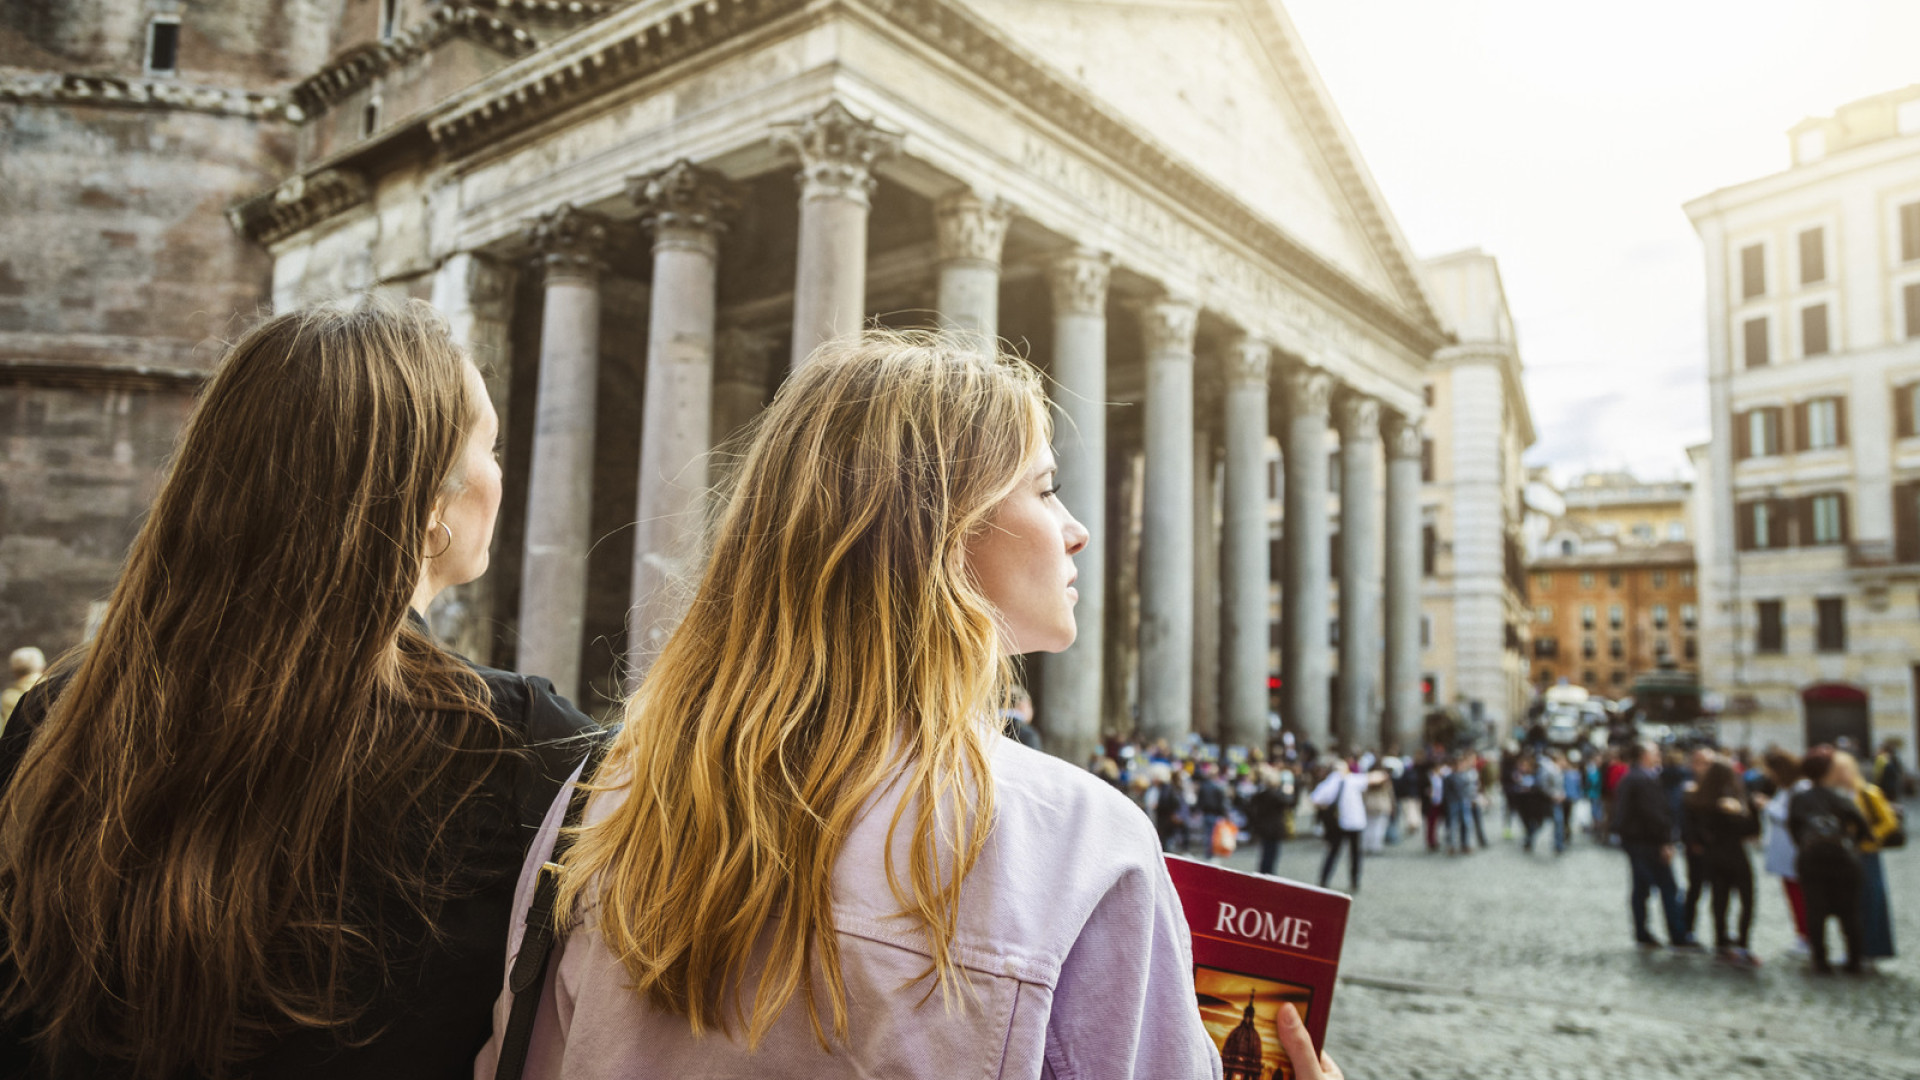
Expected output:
(1819, 823)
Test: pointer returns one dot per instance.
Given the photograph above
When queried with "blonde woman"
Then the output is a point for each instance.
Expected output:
(810, 852)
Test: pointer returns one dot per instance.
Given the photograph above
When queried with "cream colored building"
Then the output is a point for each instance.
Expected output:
(1810, 539)
(1474, 614)
(644, 214)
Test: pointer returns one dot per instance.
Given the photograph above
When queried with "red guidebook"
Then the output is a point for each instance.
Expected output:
(1259, 943)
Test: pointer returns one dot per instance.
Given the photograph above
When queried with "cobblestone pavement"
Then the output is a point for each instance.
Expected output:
(1500, 964)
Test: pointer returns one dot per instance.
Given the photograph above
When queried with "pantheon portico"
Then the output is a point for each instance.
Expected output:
(641, 225)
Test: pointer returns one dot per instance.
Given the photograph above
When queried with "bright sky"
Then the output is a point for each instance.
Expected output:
(1562, 139)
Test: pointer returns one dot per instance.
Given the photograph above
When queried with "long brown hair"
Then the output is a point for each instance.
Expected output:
(249, 783)
(835, 636)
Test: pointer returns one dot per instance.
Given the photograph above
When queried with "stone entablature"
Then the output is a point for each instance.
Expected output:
(359, 66)
(115, 92)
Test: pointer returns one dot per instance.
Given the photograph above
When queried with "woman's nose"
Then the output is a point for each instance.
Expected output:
(1077, 536)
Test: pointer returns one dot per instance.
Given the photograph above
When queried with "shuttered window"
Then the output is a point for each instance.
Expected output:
(1772, 635)
(1831, 613)
(1828, 515)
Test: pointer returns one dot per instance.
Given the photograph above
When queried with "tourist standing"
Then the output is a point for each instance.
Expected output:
(1827, 829)
(1719, 822)
(1876, 906)
(1783, 775)
(1342, 795)
(1267, 811)
(1643, 819)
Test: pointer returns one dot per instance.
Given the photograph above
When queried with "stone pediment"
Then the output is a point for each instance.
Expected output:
(1221, 83)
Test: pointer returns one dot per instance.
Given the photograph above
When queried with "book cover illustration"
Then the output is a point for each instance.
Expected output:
(1260, 944)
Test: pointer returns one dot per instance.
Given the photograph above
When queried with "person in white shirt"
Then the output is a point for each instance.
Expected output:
(1343, 792)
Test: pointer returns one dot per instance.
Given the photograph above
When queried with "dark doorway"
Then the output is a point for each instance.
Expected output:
(1835, 711)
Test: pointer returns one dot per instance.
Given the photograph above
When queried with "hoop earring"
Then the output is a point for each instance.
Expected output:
(442, 526)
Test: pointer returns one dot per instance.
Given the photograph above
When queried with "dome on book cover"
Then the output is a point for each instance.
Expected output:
(1242, 1055)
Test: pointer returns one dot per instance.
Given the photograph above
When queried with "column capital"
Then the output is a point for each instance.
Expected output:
(837, 151)
(1309, 391)
(743, 356)
(968, 228)
(1247, 361)
(1403, 436)
(1167, 325)
(1359, 417)
(569, 241)
(686, 205)
(1079, 281)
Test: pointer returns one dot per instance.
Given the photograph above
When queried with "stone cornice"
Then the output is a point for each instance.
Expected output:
(573, 72)
(113, 91)
(299, 203)
(566, 12)
(362, 64)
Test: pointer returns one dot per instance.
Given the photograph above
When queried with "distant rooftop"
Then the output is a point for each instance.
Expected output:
(1598, 489)
(1669, 554)
(1890, 115)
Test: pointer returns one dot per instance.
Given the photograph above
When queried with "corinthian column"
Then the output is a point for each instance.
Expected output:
(1359, 571)
(1403, 720)
(1243, 547)
(553, 579)
(970, 231)
(1166, 541)
(1071, 682)
(837, 153)
(684, 204)
(1304, 592)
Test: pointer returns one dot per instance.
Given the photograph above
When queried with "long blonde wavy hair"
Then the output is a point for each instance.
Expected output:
(835, 636)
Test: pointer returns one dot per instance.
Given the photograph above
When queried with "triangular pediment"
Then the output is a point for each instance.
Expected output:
(1208, 80)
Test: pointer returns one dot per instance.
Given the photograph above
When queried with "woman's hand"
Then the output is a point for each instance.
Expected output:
(1299, 1047)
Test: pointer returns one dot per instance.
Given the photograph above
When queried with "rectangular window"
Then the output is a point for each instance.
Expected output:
(1813, 256)
(1754, 332)
(1686, 579)
(1545, 648)
(1832, 633)
(1618, 678)
(1613, 579)
(1763, 432)
(1772, 635)
(1910, 299)
(1587, 651)
(1758, 526)
(1829, 519)
(1676, 531)
(163, 46)
(1616, 649)
(1429, 550)
(1426, 461)
(1586, 580)
(1753, 271)
(1659, 579)
(1586, 616)
(1692, 649)
(389, 19)
(1616, 616)
(1813, 330)
(1542, 582)
(1823, 424)
(1543, 613)
(1659, 616)
(1910, 232)
(1689, 616)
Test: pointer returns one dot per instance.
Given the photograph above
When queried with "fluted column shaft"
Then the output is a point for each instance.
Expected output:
(1243, 547)
(1071, 683)
(1403, 722)
(837, 153)
(969, 232)
(1304, 592)
(553, 580)
(684, 205)
(1166, 542)
(1359, 572)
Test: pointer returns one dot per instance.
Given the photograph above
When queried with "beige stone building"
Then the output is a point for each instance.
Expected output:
(1474, 614)
(1810, 540)
(640, 215)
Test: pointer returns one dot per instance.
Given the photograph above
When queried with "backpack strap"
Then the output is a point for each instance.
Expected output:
(529, 970)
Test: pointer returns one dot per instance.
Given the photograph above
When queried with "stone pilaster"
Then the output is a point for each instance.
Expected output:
(1404, 721)
(1359, 572)
(553, 584)
(837, 152)
(1070, 706)
(1166, 542)
(969, 231)
(685, 206)
(1243, 546)
(1308, 663)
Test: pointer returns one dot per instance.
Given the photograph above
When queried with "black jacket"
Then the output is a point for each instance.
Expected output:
(1641, 812)
(1267, 813)
(436, 1011)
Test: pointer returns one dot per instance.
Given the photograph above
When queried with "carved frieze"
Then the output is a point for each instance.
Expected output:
(1247, 361)
(1079, 281)
(570, 241)
(971, 229)
(686, 205)
(1359, 417)
(1309, 391)
(1167, 326)
(298, 203)
(837, 151)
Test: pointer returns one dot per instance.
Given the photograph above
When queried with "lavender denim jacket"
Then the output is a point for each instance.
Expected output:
(1080, 959)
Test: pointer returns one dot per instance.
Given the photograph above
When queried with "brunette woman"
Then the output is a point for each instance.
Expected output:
(1827, 829)
(264, 825)
(1720, 820)
(810, 853)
